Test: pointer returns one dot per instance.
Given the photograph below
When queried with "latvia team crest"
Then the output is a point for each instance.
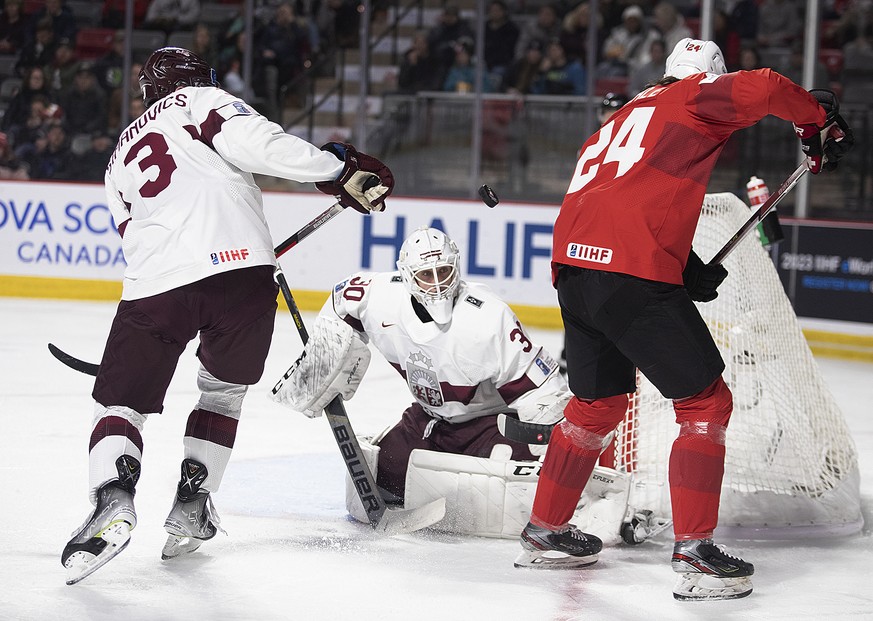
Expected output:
(423, 382)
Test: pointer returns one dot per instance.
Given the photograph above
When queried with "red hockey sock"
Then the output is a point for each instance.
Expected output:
(696, 471)
(566, 469)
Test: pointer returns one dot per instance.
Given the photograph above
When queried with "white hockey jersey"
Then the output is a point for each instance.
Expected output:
(180, 188)
(479, 364)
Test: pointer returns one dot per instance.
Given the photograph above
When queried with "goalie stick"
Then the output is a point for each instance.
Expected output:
(383, 520)
(89, 368)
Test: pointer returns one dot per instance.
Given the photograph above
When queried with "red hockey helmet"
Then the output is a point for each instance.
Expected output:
(169, 68)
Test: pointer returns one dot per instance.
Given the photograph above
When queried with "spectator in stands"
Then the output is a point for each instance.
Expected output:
(627, 45)
(574, 32)
(60, 19)
(419, 70)
(743, 20)
(794, 69)
(544, 29)
(652, 71)
(33, 84)
(85, 105)
(283, 48)
(114, 122)
(114, 11)
(779, 23)
(60, 71)
(91, 165)
(41, 113)
(558, 75)
(203, 44)
(461, 77)
(137, 107)
(10, 166)
(671, 25)
(523, 73)
(750, 59)
(444, 37)
(39, 50)
(501, 37)
(343, 26)
(171, 15)
(857, 76)
(13, 28)
(109, 68)
(51, 156)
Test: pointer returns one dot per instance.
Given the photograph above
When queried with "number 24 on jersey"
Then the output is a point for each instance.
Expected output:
(622, 144)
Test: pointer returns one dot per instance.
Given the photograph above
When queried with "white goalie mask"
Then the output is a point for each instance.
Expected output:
(428, 265)
(692, 56)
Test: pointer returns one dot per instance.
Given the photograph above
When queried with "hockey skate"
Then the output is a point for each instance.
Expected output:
(561, 549)
(706, 572)
(192, 519)
(107, 531)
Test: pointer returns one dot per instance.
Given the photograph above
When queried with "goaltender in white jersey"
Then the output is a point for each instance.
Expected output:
(466, 358)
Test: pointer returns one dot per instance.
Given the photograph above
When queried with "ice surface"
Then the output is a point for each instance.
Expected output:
(291, 552)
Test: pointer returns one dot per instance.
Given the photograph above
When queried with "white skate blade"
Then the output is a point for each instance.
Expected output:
(552, 560)
(178, 545)
(82, 564)
(399, 521)
(706, 587)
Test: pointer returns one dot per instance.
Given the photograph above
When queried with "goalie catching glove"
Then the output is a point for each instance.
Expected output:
(364, 182)
(332, 363)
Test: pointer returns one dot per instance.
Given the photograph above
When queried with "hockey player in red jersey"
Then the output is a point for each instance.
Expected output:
(200, 262)
(627, 279)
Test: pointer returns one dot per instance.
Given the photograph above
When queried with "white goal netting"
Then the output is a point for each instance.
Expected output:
(791, 467)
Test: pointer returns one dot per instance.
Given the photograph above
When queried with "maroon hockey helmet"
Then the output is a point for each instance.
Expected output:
(169, 68)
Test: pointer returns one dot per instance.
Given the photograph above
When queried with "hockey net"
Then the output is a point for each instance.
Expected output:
(791, 467)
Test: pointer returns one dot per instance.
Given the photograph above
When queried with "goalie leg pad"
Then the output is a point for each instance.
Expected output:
(332, 363)
(493, 497)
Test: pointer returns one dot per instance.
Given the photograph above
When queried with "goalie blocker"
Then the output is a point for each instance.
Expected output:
(492, 497)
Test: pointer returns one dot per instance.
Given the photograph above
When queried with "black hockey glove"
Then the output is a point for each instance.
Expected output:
(839, 141)
(812, 136)
(364, 182)
(702, 280)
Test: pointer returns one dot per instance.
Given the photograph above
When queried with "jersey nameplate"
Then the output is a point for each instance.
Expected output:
(474, 301)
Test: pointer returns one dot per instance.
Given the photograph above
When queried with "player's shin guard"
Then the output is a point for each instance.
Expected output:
(116, 432)
(697, 461)
(211, 430)
(572, 454)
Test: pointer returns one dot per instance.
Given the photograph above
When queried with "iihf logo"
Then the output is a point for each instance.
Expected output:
(224, 256)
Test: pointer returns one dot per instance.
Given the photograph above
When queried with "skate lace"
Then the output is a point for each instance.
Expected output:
(721, 549)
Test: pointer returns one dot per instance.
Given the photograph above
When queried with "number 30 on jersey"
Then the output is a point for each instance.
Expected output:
(626, 148)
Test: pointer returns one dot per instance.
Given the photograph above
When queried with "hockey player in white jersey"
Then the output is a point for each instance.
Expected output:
(466, 358)
(200, 261)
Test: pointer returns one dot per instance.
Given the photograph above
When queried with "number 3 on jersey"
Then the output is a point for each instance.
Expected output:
(626, 148)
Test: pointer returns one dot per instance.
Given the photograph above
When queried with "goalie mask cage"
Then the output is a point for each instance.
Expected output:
(791, 468)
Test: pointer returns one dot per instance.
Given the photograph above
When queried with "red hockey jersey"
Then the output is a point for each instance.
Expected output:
(635, 197)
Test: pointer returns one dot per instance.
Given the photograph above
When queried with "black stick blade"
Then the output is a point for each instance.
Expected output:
(88, 368)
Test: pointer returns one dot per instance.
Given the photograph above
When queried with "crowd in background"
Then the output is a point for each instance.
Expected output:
(61, 112)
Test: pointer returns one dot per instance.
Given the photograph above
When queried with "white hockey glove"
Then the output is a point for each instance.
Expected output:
(332, 363)
(544, 405)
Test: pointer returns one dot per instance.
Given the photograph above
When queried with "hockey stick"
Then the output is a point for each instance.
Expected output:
(89, 368)
(520, 431)
(834, 131)
(759, 215)
(383, 520)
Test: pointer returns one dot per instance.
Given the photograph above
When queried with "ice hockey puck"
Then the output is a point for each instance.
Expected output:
(488, 196)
